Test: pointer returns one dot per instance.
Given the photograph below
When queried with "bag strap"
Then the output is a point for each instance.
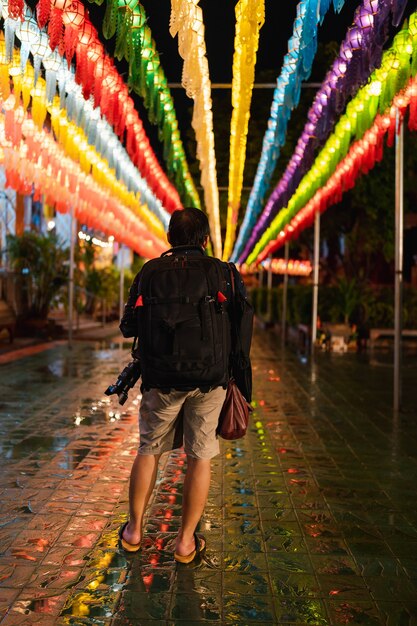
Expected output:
(172, 251)
(235, 326)
(134, 345)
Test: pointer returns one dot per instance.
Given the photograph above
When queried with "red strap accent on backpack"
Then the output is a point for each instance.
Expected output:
(139, 301)
(221, 297)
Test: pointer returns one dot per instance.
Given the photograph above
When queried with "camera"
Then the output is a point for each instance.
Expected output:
(126, 380)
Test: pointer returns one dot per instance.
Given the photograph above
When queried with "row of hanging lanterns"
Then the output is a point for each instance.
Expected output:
(95, 73)
(127, 21)
(33, 160)
(359, 54)
(398, 63)
(292, 267)
(76, 144)
(361, 158)
(71, 33)
(187, 22)
(250, 16)
(296, 68)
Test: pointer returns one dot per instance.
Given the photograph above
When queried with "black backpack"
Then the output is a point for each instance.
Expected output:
(184, 329)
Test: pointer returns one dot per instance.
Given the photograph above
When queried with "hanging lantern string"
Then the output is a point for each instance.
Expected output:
(298, 61)
(100, 132)
(70, 28)
(74, 139)
(398, 63)
(100, 135)
(359, 54)
(72, 33)
(127, 21)
(75, 145)
(361, 158)
(187, 22)
(32, 159)
(292, 267)
(250, 17)
(36, 42)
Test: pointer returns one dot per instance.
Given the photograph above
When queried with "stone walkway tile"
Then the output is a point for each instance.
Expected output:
(7, 597)
(16, 576)
(343, 611)
(246, 609)
(18, 619)
(295, 610)
(65, 555)
(89, 603)
(294, 585)
(396, 613)
(39, 604)
(144, 605)
(252, 583)
(194, 607)
(108, 577)
(283, 562)
(334, 565)
(392, 589)
(146, 579)
(55, 577)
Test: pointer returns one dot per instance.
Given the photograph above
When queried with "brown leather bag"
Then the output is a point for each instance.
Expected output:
(234, 416)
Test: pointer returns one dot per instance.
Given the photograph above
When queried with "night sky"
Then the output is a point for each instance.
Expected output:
(219, 20)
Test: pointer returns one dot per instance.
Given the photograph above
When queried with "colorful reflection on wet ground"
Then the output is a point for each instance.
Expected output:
(311, 518)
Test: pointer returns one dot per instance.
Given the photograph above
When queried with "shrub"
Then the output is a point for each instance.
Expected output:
(45, 260)
(372, 306)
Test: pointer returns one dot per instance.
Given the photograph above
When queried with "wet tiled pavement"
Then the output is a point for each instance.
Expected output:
(312, 518)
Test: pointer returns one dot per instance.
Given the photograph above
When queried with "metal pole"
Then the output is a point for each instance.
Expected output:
(71, 278)
(122, 281)
(315, 279)
(269, 285)
(261, 276)
(285, 298)
(399, 225)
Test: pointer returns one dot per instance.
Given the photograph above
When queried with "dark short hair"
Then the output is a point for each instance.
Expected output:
(188, 227)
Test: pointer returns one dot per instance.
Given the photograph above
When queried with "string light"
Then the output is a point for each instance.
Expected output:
(250, 17)
(297, 66)
(292, 267)
(187, 22)
(349, 71)
(361, 158)
(391, 77)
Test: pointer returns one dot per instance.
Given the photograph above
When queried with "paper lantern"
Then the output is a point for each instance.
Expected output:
(16, 9)
(29, 35)
(39, 49)
(52, 64)
(364, 18)
(43, 11)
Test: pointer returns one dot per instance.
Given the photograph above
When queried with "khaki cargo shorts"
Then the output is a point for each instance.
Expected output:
(169, 420)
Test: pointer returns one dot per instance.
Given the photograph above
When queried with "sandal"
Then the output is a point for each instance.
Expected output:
(125, 545)
(200, 546)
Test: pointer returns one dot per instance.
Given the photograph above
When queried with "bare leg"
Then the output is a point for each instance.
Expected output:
(142, 482)
(195, 492)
